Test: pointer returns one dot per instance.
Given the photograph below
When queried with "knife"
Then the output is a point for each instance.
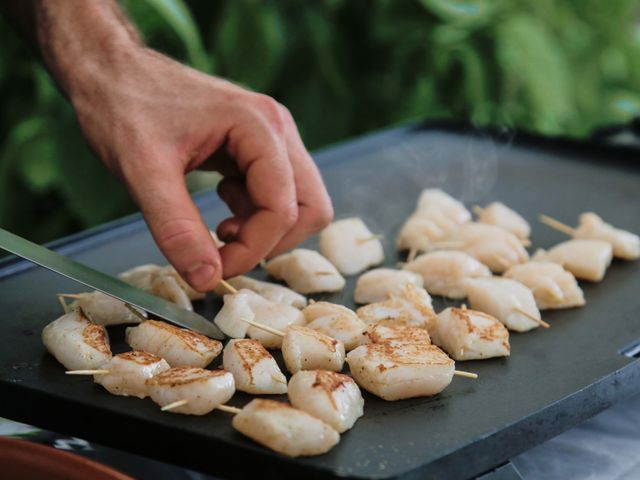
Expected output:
(107, 284)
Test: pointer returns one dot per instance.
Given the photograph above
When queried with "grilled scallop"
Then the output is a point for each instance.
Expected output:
(104, 309)
(412, 307)
(395, 371)
(420, 231)
(504, 299)
(434, 198)
(178, 346)
(445, 272)
(585, 259)
(271, 291)
(76, 342)
(470, 335)
(248, 305)
(253, 368)
(332, 397)
(500, 215)
(378, 284)
(306, 349)
(397, 334)
(351, 246)
(306, 271)
(336, 321)
(551, 284)
(285, 429)
(203, 389)
(128, 373)
(163, 282)
(626, 245)
(498, 249)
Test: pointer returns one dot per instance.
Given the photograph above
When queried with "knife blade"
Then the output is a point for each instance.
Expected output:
(107, 284)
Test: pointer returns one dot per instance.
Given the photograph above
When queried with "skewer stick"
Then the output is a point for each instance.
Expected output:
(136, 312)
(413, 253)
(229, 409)
(70, 295)
(477, 209)
(539, 321)
(460, 373)
(266, 328)
(87, 372)
(323, 273)
(557, 225)
(176, 404)
(360, 241)
(230, 288)
(263, 264)
(278, 380)
(65, 307)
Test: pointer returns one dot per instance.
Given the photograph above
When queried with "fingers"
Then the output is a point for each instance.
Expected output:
(234, 193)
(176, 224)
(258, 145)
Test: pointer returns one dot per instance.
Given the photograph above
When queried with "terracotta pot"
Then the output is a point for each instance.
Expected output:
(22, 460)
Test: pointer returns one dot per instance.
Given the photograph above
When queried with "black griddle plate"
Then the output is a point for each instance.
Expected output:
(554, 379)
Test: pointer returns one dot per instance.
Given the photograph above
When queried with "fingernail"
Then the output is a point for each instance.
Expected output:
(201, 276)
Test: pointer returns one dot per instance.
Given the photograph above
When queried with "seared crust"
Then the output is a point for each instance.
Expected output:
(250, 352)
(192, 340)
(183, 376)
(496, 330)
(384, 332)
(331, 343)
(329, 382)
(96, 337)
(140, 357)
(405, 354)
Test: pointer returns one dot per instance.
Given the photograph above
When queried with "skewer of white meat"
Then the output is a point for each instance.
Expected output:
(244, 306)
(271, 291)
(445, 272)
(190, 390)
(552, 285)
(104, 309)
(162, 282)
(376, 285)
(586, 259)
(411, 307)
(283, 428)
(500, 215)
(470, 335)
(626, 245)
(509, 301)
(330, 396)
(126, 373)
(178, 346)
(306, 271)
(76, 342)
(381, 333)
(336, 321)
(253, 368)
(395, 371)
(497, 248)
(434, 198)
(351, 246)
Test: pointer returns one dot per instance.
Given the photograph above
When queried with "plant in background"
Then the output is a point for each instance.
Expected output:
(343, 68)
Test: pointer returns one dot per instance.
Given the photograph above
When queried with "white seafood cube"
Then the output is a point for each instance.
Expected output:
(306, 271)
(104, 309)
(306, 349)
(402, 370)
(470, 335)
(285, 429)
(434, 198)
(381, 333)
(445, 272)
(504, 299)
(253, 368)
(236, 308)
(274, 315)
(500, 215)
(551, 284)
(412, 307)
(129, 371)
(379, 284)
(349, 329)
(626, 245)
(271, 291)
(351, 246)
(586, 259)
(332, 397)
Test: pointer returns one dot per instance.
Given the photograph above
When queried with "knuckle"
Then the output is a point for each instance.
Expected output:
(272, 111)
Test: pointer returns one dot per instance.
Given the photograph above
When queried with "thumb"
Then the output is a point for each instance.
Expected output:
(177, 227)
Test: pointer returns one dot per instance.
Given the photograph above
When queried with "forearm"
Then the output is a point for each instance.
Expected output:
(75, 38)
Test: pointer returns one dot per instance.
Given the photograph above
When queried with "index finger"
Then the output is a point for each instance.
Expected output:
(261, 154)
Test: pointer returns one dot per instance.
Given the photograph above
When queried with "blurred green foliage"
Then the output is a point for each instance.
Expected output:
(343, 67)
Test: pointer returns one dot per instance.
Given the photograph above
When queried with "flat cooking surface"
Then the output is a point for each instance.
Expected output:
(554, 379)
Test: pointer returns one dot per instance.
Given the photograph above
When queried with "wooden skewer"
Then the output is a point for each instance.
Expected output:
(230, 288)
(278, 380)
(87, 372)
(460, 373)
(263, 264)
(229, 409)
(266, 328)
(63, 304)
(176, 404)
(136, 312)
(70, 295)
(557, 225)
(413, 253)
(360, 241)
(477, 209)
(324, 273)
(540, 322)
